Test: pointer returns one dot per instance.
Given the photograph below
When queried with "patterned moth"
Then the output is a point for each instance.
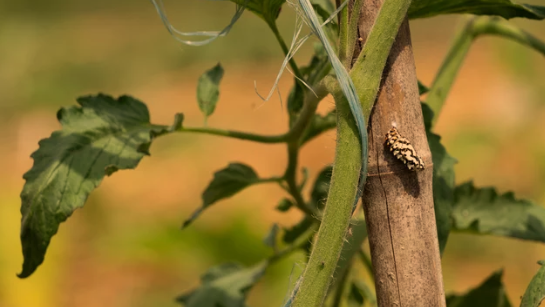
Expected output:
(403, 150)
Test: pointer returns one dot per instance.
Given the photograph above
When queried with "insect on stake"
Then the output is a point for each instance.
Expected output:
(403, 150)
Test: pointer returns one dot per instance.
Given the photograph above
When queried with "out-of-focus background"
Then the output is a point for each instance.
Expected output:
(125, 248)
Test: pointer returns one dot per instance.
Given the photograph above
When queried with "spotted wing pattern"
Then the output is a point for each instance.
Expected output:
(403, 150)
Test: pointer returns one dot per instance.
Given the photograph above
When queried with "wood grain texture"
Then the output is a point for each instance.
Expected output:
(398, 203)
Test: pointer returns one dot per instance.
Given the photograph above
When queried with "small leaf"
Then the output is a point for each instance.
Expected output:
(266, 9)
(491, 293)
(320, 189)
(208, 90)
(226, 285)
(100, 137)
(284, 205)
(484, 211)
(271, 238)
(535, 293)
(504, 8)
(226, 183)
(443, 180)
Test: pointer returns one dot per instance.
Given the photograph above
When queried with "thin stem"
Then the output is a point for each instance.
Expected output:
(449, 69)
(266, 139)
(473, 29)
(290, 177)
(294, 136)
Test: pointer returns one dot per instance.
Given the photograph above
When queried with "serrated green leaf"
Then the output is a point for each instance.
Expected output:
(208, 90)
(266, 9)
(504, 8)
(319, 192)
(284, 205)
(491, 293)
(535, 293)
(484, 211)
(226, 183)
(443, 180)
(100, 137)
(224, 286)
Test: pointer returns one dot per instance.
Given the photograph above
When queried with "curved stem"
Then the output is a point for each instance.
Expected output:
(449, 69)
(294, 136)
(474, 28)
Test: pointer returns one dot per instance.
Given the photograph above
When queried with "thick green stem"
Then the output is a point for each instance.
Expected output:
(366, 75)
(474, 28)
(367, 70)
(323, 260)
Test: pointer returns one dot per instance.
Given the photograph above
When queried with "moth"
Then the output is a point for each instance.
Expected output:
(403, 150)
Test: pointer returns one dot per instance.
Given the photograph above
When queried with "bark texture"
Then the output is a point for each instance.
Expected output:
(398, 203)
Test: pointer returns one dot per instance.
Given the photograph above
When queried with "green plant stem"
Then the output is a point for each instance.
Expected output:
(473, 29)
(449, 69)
(294, 136)
(266, 139)
(367, 263)
(326, 250)
(349, 33)
(366, 74)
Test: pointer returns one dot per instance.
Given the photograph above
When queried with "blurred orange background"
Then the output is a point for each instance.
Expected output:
(125, 248)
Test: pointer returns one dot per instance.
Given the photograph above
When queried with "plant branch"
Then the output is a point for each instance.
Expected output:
(473, 29)
(349, 33)
(294, 136)
(266, 139)
(366, 75)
